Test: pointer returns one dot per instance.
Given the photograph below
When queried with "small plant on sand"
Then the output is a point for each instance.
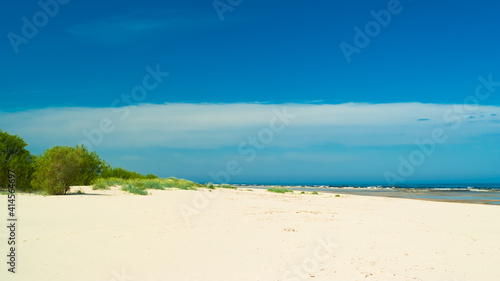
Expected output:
(106, 183)
(303, 192)
(279, 190)
(337, 195)
(228, 186)
(210, 186)
(80, 192)
(100, 184)
(134, 189)
(315, 193)
(180, 184)
(148, 184)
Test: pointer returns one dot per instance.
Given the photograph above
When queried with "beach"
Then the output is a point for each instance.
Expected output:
(247, 234)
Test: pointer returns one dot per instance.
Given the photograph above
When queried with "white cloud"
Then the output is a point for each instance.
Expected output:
(182, 125)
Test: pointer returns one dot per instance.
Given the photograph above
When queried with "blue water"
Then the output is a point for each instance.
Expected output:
(465, 193)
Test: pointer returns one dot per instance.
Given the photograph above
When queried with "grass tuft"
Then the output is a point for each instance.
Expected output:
(279, 190)
(136, 185)
(134, 189)
(227, 186)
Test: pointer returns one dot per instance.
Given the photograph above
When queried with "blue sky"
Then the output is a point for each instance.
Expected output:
(228, 77)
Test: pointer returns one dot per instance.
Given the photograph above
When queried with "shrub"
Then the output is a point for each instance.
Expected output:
(90, 167)
(119, 172)
(279, 190)
(150, 176)
(15, 157)
(315, 193)
(62, 166)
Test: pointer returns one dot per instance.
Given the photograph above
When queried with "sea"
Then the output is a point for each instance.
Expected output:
(464, 193)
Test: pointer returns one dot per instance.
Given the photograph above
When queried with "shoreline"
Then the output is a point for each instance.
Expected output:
(491, 197)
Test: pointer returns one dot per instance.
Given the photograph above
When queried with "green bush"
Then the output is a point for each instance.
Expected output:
(62, 166)
(15, 157)
(150, 176)
(57, 169)
(279, 190)
(90, 168)
(315, 193)
(119, 172)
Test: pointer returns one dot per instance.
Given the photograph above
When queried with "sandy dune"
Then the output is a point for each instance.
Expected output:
(250, 235)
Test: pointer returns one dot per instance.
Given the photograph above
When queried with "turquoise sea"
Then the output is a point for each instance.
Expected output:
(466, 193)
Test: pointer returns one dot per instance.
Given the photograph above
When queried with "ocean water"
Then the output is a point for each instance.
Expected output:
(466, 193)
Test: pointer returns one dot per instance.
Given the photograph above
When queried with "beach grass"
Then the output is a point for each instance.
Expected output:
(135, 189)
(140, 186)
(227, 186)
(279, 190)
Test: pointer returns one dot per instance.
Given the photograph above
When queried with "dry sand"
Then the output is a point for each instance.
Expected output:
(250, 235)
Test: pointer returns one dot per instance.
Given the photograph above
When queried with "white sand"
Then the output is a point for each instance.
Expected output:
(250, 235)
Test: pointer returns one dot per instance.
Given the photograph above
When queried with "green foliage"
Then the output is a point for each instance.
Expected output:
(303, 192)
(90, 167)
(180, 183)
(150, 176)
(134, 189)
(279, 190)
(57, 169)
(14, 156)
(315, 193)
(144, 184)
(337, 195)
(148, 184)
(228, 186)
(103, 183)
(119, 172)
(62, 166)
(210, 186)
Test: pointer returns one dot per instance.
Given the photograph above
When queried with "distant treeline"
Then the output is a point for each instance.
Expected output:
(56, 169)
